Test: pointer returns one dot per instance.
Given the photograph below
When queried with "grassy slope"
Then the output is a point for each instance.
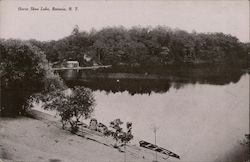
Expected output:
(42, 139)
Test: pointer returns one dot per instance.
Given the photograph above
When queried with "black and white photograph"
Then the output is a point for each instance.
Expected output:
(124, 80)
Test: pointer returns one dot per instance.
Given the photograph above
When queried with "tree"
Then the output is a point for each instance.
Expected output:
(127, 136)
(117, 129)
(71, 107)
(146, 46)
(75, 30)
(118, 134)
(24, 71)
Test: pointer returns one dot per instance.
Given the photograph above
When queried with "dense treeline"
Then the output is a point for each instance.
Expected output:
(145, 46)
(24, 67)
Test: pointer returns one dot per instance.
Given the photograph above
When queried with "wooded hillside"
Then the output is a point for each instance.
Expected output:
(145, 46)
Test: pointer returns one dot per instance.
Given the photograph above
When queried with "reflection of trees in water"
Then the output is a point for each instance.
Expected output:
(175, 78)
(132, 86)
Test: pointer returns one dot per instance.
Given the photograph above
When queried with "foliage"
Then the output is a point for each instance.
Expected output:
(24, 71)
(246, 141)
(71, 107)
(140, 46)
(118, 134)
(75, 30)
(127, 136)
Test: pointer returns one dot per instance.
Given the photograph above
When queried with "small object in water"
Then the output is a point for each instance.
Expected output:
(117, 80)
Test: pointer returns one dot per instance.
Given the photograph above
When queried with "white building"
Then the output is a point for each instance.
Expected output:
(72, 64)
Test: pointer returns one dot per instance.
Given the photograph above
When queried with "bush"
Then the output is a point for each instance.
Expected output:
(118, 134)
(71, 107)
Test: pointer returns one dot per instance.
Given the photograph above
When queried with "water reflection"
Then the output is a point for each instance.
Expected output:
(146, 83)
(200, 122)
(202, 113)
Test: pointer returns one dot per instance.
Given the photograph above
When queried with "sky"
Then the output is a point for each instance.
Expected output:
(230, 16)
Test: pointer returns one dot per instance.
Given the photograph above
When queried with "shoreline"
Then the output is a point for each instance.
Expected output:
(42, 139)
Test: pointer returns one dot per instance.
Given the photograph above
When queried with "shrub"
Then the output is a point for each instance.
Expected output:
(72, 107)
(118, 134)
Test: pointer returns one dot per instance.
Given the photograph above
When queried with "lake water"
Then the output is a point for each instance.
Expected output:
(200, 120)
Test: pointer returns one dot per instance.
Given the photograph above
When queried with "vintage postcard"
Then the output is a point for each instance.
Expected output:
(124, 81)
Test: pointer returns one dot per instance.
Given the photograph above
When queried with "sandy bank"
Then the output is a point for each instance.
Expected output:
(42, 139)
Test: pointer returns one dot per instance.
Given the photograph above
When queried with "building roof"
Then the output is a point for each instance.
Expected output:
(72, 62)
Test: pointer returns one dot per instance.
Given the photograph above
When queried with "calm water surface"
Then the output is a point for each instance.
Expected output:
(200, 122)
(201, 112)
